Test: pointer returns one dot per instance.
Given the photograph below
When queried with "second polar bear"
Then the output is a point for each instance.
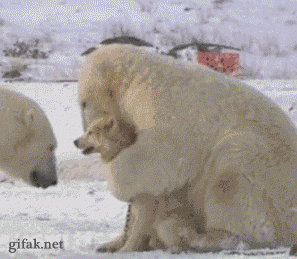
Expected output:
(224, 149)
(27, 141)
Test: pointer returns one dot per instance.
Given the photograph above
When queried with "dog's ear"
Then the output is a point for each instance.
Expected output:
(109, 125)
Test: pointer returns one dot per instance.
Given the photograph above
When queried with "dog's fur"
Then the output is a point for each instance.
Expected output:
(222, 149)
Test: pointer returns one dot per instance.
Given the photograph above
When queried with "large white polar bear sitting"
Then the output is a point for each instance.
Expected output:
(27, 141)
(224, 153)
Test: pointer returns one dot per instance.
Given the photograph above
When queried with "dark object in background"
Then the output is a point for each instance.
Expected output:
(127, 40)
(11, 74)
(121, 40)
(88, 51)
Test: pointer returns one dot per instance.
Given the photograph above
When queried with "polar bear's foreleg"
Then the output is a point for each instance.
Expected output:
(140, 227)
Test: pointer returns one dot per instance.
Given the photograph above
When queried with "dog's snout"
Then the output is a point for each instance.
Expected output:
(88, 150)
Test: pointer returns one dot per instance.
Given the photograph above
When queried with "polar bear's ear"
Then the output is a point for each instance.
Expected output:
(29, 117)
(25, 118)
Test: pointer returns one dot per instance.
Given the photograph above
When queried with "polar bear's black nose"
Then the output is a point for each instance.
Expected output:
(54, 182)
(39, 181)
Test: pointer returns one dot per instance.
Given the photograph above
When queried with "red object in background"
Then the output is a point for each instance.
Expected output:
(225, 62)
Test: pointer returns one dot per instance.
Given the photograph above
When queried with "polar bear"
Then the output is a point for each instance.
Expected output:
(27, 140)
(224, 149)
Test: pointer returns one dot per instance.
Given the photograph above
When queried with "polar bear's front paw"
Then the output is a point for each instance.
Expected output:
(112, 246)
(293, 250)
(104, 249)
(175, 250)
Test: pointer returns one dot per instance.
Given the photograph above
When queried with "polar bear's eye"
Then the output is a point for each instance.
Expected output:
(51, 147)
(84, 104)
(90, 132)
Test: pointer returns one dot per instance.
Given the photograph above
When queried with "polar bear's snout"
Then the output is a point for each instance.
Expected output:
(38, 180)
(44, 174)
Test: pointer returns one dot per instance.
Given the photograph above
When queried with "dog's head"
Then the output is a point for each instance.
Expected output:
(106, 135)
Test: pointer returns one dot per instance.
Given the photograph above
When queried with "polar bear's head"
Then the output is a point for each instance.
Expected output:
(106, 135)
(27, 141)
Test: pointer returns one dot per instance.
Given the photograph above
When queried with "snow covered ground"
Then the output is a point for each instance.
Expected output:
(81, 213)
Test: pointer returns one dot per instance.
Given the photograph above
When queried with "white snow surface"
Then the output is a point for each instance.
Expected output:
(83, 214)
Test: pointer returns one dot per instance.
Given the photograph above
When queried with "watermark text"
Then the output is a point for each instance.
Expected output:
(26, 244)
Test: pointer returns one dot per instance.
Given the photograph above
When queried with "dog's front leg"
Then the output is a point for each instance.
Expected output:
(143, 210)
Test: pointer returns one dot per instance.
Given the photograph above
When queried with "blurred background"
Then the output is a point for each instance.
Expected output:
(43, 40)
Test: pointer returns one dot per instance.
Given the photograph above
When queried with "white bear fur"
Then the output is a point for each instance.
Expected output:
(233, 147)
(27, 141)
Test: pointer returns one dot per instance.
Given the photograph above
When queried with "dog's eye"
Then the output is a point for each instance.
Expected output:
(90, 132)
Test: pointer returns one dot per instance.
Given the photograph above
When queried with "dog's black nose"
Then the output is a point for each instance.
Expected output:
(75, 142)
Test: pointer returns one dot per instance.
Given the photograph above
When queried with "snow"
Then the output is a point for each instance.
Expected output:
(82, 213)
(264, 30)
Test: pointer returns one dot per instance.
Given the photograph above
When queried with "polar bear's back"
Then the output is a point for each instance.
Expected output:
(157, 91)
(206, 100)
